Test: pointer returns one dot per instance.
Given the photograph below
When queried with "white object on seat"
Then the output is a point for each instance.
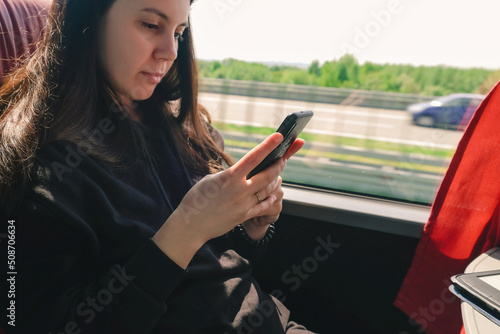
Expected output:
(474, 322)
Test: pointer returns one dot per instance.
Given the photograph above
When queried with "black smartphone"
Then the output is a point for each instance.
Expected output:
(290, 128)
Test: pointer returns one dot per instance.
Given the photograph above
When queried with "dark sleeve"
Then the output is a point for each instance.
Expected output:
(63, 287)
(234, 240)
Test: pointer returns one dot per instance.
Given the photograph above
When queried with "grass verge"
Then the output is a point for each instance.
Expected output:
(343, 141)
(351, 158)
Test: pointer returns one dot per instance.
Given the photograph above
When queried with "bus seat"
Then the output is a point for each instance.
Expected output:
(21, 24)
(464, 222)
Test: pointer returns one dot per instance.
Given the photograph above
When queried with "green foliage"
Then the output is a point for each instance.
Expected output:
(346, 72)
(315, 68)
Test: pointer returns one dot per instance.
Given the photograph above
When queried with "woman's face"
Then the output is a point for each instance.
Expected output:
(138, 42)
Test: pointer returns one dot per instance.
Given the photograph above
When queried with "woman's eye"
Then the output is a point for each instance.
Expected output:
(178, 36)
(150, 26)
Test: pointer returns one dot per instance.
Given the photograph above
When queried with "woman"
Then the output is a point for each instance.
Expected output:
(125, 219)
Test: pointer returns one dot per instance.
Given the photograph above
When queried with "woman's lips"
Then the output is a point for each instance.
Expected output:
(153, 78)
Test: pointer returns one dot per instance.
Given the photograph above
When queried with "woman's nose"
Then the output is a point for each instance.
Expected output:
(167, 48)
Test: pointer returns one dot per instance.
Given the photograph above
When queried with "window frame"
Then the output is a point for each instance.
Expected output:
(388, 216)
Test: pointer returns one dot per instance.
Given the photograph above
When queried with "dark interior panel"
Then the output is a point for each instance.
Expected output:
(336, 278)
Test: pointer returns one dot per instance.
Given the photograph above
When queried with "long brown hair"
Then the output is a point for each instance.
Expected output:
(60, 94)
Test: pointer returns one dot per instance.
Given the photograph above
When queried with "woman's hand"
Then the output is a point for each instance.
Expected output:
(219, 202)
(256, 227)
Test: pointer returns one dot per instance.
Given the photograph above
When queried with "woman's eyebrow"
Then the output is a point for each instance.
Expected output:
(162, 15)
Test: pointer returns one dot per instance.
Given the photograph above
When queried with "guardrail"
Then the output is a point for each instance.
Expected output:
(356, 97)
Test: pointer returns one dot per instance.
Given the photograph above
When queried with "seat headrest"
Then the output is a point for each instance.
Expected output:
(21, 23)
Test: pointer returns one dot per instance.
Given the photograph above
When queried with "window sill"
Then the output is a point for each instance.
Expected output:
(356, 211)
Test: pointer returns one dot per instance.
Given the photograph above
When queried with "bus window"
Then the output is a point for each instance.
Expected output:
(365, 69)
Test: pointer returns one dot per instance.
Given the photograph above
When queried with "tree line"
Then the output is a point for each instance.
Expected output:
(346, 72)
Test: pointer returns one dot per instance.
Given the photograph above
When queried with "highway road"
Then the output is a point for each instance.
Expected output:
(398, 181)
(340, 120)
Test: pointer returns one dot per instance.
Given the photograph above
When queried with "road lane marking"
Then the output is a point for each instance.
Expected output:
(343, 110)
(353, 135)
(349, 122)
(354, 166)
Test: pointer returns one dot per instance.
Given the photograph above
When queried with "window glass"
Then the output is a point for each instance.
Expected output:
(458, 103)
(372, 71)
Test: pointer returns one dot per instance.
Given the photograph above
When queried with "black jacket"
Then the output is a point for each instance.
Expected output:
(86, 262)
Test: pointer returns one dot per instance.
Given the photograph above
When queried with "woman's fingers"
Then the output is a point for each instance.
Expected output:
(250, 160)
(270, 189)
(246, 164)
(263, 189)
(269, 175)
(272, 204)
(297, 145)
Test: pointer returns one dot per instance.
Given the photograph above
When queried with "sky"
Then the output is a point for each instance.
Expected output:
(461, 33)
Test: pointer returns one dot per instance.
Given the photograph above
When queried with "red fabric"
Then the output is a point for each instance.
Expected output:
(464, 222)
(21, 22)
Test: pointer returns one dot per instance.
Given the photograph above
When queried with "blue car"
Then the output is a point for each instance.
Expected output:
(450, 112)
